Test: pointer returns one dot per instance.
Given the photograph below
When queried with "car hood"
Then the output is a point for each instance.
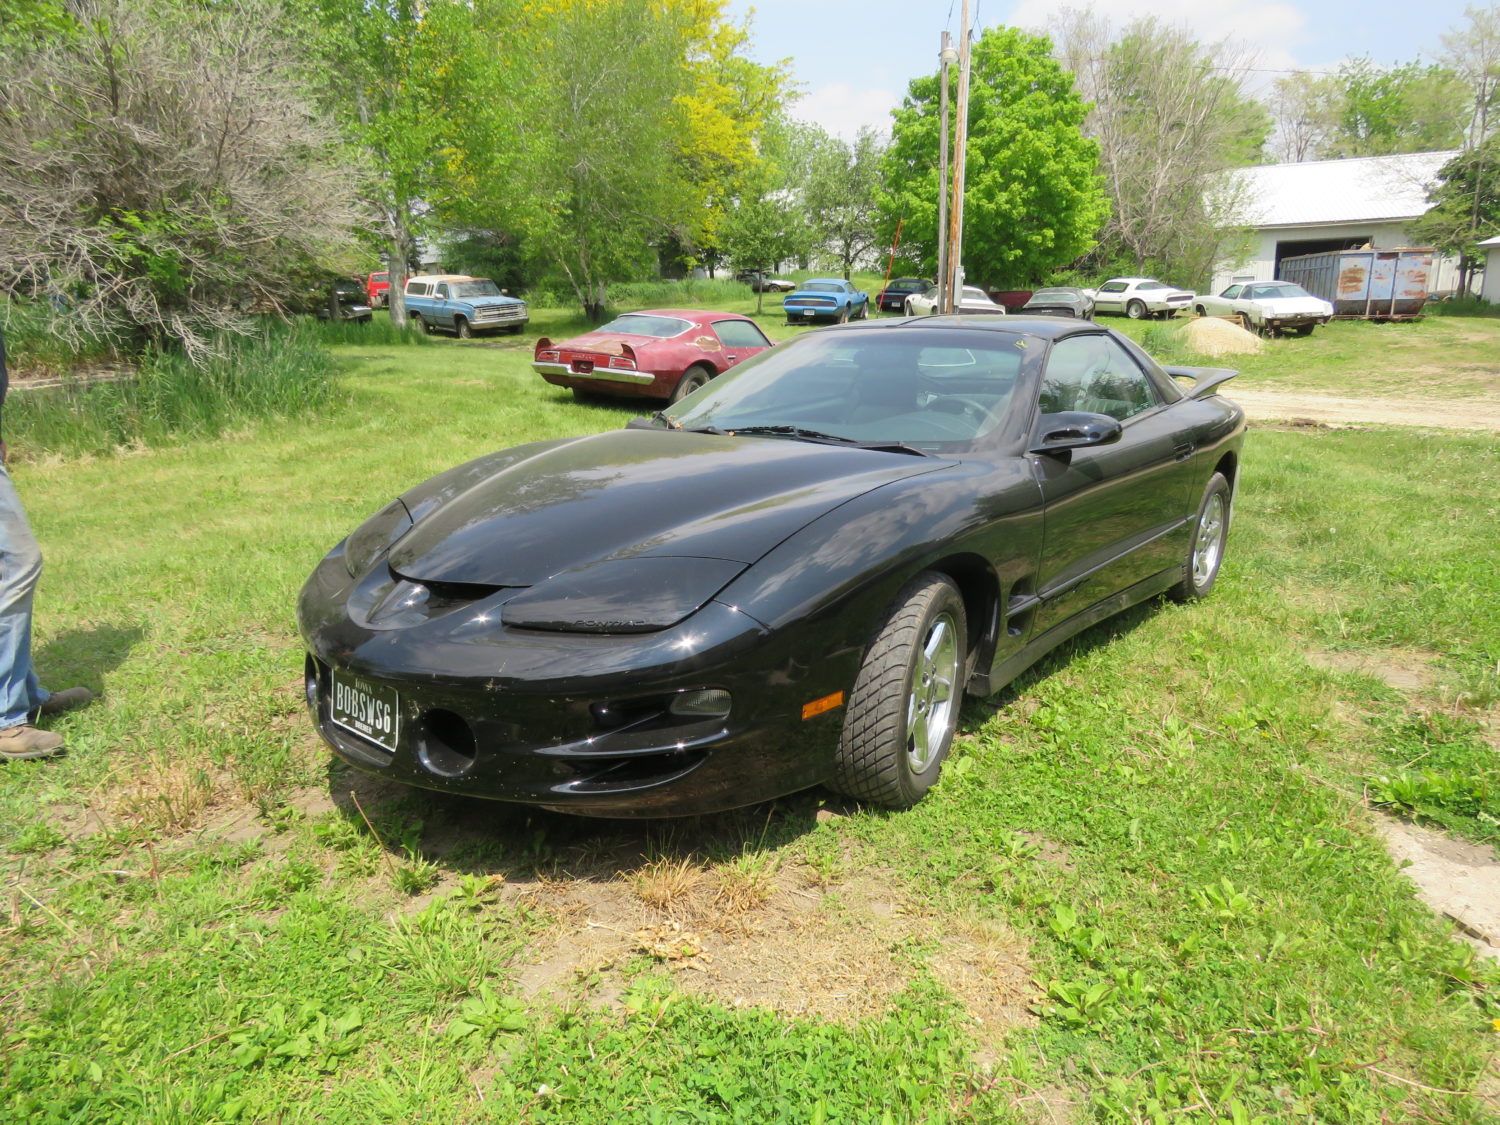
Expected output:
(633, 494)
(1286, 306)
(486, 302)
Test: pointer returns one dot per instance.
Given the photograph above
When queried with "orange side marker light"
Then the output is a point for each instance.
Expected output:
(818, 706)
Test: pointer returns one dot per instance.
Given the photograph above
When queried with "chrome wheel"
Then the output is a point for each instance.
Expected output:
(1208, 548)
(930, 701)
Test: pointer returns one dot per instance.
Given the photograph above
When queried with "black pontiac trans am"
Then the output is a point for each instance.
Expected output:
(788, 578)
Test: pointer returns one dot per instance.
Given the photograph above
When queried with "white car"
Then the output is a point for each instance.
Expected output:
(1140, 297)
(971, 300)
(1268, 307)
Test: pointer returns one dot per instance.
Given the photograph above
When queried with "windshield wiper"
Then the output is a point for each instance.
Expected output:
(801, 434)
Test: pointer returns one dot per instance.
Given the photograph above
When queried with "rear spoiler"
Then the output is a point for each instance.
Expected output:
(1206, 380)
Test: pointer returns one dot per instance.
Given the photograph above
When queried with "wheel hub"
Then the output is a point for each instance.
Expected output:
(931, 700)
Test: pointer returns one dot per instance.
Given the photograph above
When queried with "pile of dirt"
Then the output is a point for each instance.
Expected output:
(1208, 335)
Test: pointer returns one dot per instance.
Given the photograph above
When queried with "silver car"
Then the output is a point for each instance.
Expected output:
(1140, 297)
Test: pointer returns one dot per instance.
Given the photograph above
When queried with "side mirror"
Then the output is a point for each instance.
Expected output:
(1074, 429)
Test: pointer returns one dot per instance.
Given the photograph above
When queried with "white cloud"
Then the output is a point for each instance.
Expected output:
(840, 109)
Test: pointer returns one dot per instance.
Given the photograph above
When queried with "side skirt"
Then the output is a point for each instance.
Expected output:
(981, 683)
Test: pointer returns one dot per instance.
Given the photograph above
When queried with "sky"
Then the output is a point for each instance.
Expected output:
(854, 58)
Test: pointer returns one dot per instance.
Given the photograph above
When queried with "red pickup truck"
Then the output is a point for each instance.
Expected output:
(377, 288)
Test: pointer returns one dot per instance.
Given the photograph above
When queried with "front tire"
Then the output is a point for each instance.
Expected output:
(1206, 549)
(461, 328)
(1136, 310)
(903, 711)
(864, 311)
(690, 382)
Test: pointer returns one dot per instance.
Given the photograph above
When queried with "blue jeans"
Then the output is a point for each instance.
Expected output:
(20, 567)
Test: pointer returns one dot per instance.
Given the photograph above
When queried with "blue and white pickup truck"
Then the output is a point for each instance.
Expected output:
(461, 304)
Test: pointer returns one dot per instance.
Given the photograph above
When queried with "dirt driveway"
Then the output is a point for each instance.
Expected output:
(1279, 406)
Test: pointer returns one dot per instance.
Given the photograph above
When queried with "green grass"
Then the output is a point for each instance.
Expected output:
(1167, 813)
(1442, 357)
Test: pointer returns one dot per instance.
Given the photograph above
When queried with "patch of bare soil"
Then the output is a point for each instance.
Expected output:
(1340, 410)
(839, 952)
(1457, 879)
(1405, 669)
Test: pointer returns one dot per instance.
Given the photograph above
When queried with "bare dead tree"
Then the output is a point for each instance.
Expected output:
(1170, 117)
(161, 171)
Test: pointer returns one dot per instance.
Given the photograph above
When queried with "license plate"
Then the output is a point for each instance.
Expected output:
(583, 366)
(370, 710)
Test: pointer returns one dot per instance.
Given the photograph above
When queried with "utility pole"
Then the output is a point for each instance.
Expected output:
(946, 57)
(953, 280)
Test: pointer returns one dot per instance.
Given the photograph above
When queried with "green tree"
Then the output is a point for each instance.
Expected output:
(841, 195)
(1465, 206)
(1033, 198)
(1170, 117)
(1409, 108)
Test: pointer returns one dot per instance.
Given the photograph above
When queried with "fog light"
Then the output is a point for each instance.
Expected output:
(711, 703)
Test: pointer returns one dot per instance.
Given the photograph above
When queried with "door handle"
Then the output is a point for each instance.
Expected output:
(1183, 450)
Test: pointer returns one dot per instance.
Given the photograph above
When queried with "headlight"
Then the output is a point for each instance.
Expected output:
(620, 595)
(375, 536)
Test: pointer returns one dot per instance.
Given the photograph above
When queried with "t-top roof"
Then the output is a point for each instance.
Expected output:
(1351, 190)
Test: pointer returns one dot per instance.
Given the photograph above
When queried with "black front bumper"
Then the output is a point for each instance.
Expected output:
(575, 722)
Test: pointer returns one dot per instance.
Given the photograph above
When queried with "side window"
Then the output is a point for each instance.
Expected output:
(1232, 292)
(417, 288)
(1095, 375)
(740, 334)
(1113, 287)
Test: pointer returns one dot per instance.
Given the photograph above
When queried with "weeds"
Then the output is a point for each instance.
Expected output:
(278, 372)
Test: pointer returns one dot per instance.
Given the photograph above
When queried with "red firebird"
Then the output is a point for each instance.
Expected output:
(658, 353)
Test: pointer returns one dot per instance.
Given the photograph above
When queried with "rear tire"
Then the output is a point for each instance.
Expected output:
(417, 323)
(1200, 310)
(1302, 330)
(1206, 548)
(1136, 310)
(694, 378)
(843, 317)
(903, 711)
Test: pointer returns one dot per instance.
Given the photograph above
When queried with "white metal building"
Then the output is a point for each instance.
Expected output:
(1322, 205)
(1491, 290)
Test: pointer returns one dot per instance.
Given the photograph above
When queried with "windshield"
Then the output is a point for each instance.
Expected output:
(642, 324)
(938, 389)
(480, 287)
(1281, 289)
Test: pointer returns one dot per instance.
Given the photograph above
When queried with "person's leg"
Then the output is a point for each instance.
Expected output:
(20, 567)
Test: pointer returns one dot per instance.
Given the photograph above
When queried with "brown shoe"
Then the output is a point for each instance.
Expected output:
(20, 743)
(69, 699)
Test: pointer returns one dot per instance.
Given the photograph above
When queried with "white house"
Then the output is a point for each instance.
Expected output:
(1322, 205)
(1491, 290)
